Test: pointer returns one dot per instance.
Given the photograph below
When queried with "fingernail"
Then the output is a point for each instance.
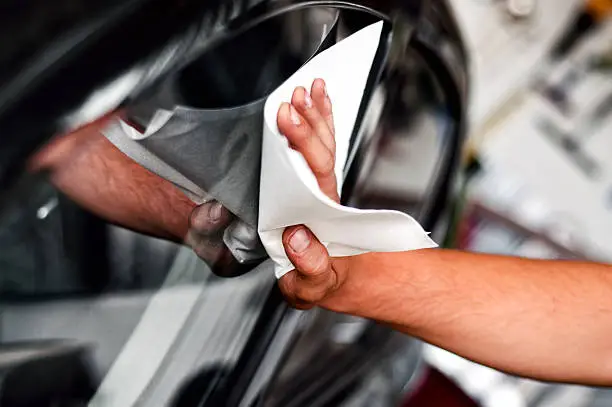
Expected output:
(215, 211)
(295, 116)
(307, 99)
(299, 240)
(324, 87)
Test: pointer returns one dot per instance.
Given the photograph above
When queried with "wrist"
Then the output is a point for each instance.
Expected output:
(359, 284)
(386, 287)
(348, 293)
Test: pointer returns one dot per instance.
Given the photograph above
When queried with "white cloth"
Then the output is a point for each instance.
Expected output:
(289, 194)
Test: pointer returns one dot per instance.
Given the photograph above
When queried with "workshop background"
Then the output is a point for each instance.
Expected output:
(539, 182)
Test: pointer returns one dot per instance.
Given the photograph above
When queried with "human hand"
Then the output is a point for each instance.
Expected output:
(308, 124)
(206, 225)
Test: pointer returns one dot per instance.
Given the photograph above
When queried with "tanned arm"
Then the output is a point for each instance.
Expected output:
(548, 320)
(95, 174)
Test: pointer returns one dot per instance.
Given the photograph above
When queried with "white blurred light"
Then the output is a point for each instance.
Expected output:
(504, 395)
(447, 362)
(104, 100)
(478, 380)
(46, 209)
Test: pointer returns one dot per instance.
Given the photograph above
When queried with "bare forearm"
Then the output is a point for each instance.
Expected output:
(548, 320)
(544, 319)
(95, 174)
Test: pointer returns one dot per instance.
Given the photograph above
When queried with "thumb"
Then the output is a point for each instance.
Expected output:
(313, 278)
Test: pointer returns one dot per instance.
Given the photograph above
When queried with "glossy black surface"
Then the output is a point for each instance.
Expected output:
(43, 373)
(76, 48)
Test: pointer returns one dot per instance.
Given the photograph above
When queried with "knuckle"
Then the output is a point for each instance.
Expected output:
(288, 279)
(198, 220)
(208, 218)
(309, 294)
(303, 307)
(320, 267)
(296, 135)
(205, 252)
(285, 287)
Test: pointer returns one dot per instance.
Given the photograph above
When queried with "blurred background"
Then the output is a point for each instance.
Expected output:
(539, 174)
(98, 315)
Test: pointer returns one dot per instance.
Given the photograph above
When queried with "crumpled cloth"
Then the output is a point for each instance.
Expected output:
(215, 153)
(289, 193)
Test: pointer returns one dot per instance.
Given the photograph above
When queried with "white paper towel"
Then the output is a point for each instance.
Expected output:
(289, 193)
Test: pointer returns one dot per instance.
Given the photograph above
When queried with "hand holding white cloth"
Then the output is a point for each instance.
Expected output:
(289, 193)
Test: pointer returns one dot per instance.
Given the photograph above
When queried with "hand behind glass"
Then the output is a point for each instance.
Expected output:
(308, 124)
